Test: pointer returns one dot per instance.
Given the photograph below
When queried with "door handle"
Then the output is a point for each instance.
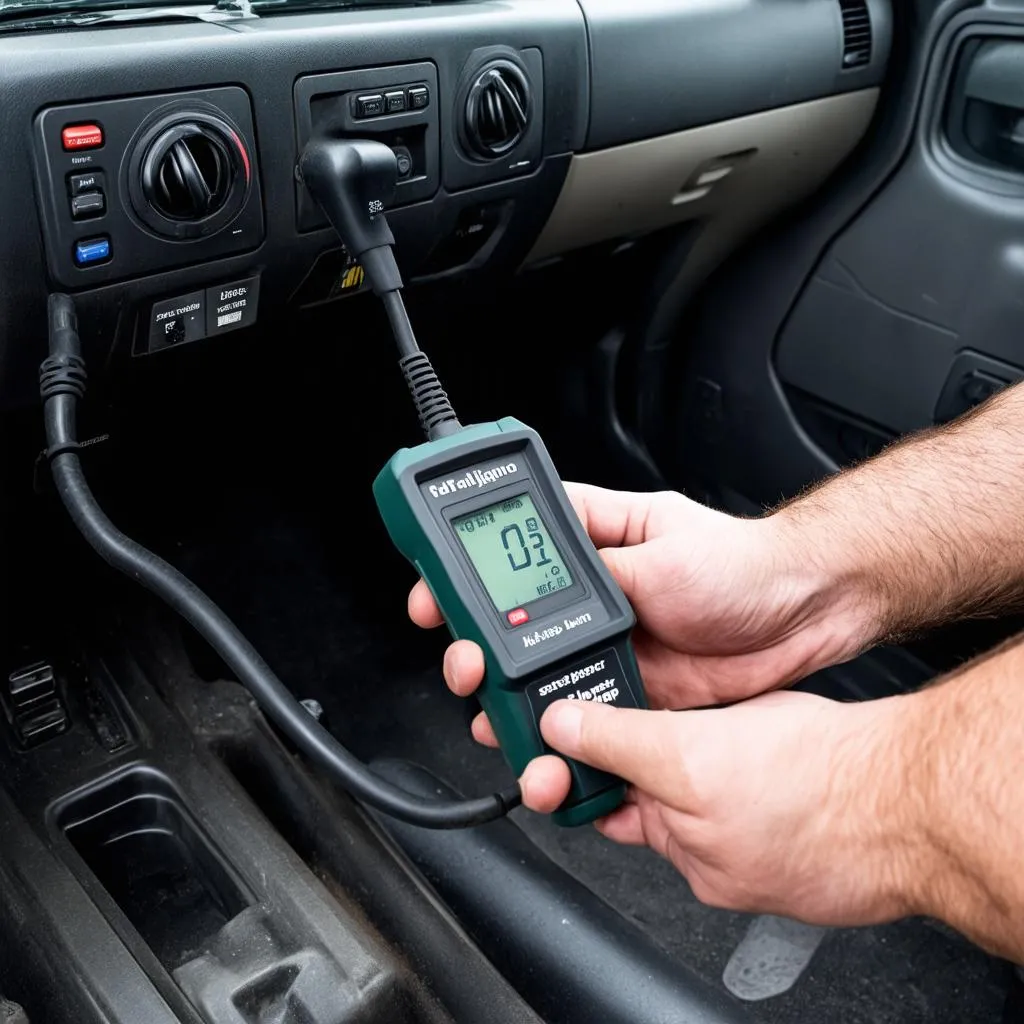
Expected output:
(995, 75)
(987, 112)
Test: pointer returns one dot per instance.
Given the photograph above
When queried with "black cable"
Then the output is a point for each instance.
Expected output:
(405, 339)
(435, 412)
(62, 383)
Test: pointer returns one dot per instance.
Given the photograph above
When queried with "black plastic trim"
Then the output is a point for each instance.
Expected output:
(660, 66)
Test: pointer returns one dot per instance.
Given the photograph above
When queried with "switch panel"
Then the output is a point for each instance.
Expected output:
(110, 211)
(391, 105)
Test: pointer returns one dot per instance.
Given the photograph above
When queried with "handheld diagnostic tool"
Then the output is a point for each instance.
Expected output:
(483, 517)
(481, 513)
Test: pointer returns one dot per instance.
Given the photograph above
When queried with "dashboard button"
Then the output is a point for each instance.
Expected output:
(88, 204)
(82, 136)
(419, 97)
(92, 250)
(370, 106)
(394, 102)
(91, 182)
(403, 158)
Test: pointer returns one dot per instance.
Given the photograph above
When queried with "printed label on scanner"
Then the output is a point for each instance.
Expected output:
(598, 678)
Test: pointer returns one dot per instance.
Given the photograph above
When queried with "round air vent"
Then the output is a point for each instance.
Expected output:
(188, 175)
(497, 109)
(187, 172)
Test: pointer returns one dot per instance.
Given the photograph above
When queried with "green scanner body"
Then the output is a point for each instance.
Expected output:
(484, 519)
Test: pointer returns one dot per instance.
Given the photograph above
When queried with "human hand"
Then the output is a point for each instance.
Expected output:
(785, 804)
(726, 607)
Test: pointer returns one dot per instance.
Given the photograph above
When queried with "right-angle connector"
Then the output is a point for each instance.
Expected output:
(354, 180)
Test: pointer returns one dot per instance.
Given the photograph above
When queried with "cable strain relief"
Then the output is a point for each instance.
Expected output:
(509, 798)
(62, 374)
(381, 269)
(435, 412)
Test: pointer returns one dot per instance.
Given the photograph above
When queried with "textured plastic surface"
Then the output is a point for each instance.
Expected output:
(574, 959)
(660, 66)
(932, 266)
(504, 694)
(734, 437)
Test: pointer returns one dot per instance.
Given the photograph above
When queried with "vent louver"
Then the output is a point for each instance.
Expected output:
(497, 109)
(187, 173)
(856, 33)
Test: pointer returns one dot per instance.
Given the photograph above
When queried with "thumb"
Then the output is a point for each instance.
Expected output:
(643, 747)
(622, 564)
(641, 568)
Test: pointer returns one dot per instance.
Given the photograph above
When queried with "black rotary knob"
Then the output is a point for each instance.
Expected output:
(189, 176)
(187, 172)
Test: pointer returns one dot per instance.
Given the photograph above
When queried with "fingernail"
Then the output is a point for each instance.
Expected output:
(524, 787)
(449, 671)
(562, 723)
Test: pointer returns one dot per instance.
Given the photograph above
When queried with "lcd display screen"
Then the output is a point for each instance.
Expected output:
(513, 552)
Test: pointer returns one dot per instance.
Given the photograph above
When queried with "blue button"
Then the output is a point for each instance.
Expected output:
(92, 250)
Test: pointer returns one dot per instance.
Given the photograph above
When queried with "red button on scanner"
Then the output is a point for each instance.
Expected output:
(518, 616)
(82, 136)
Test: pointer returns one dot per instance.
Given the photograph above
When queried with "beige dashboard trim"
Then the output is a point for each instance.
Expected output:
(734, 175)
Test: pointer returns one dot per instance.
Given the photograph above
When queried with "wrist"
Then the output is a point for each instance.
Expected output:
(835, 604)
(882, 814)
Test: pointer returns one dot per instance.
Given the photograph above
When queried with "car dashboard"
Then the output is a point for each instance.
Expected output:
(150, 166)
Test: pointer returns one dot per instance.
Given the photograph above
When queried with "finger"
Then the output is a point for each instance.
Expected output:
(483, 731)
(463, 667)
(545, 783)
(641, 746)
(623, 826)
(612, 518)
(423, 608)
(690, 680)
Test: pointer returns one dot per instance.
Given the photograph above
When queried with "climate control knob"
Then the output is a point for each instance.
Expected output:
(189, 174)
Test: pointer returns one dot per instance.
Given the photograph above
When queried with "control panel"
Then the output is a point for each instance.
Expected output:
(147, 183)
(395, 105)
(200, 314)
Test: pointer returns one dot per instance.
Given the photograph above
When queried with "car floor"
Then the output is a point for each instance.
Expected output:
(268, 507)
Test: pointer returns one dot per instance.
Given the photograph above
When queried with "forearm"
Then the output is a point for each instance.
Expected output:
(956, 794)
(931, 529)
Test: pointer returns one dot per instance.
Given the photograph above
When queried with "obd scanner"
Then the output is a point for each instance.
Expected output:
(483, 517)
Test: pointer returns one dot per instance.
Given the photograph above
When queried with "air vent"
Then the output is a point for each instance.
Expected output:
(497, 109)
(856, 33)
(187, 173)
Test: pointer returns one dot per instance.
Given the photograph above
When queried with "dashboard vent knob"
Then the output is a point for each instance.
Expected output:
(187, 172)
(498, 109)
(856, 33)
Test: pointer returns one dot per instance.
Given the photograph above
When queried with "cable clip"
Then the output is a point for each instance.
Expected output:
(40, 469)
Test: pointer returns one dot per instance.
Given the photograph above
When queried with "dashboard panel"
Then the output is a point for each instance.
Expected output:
(150, 167)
